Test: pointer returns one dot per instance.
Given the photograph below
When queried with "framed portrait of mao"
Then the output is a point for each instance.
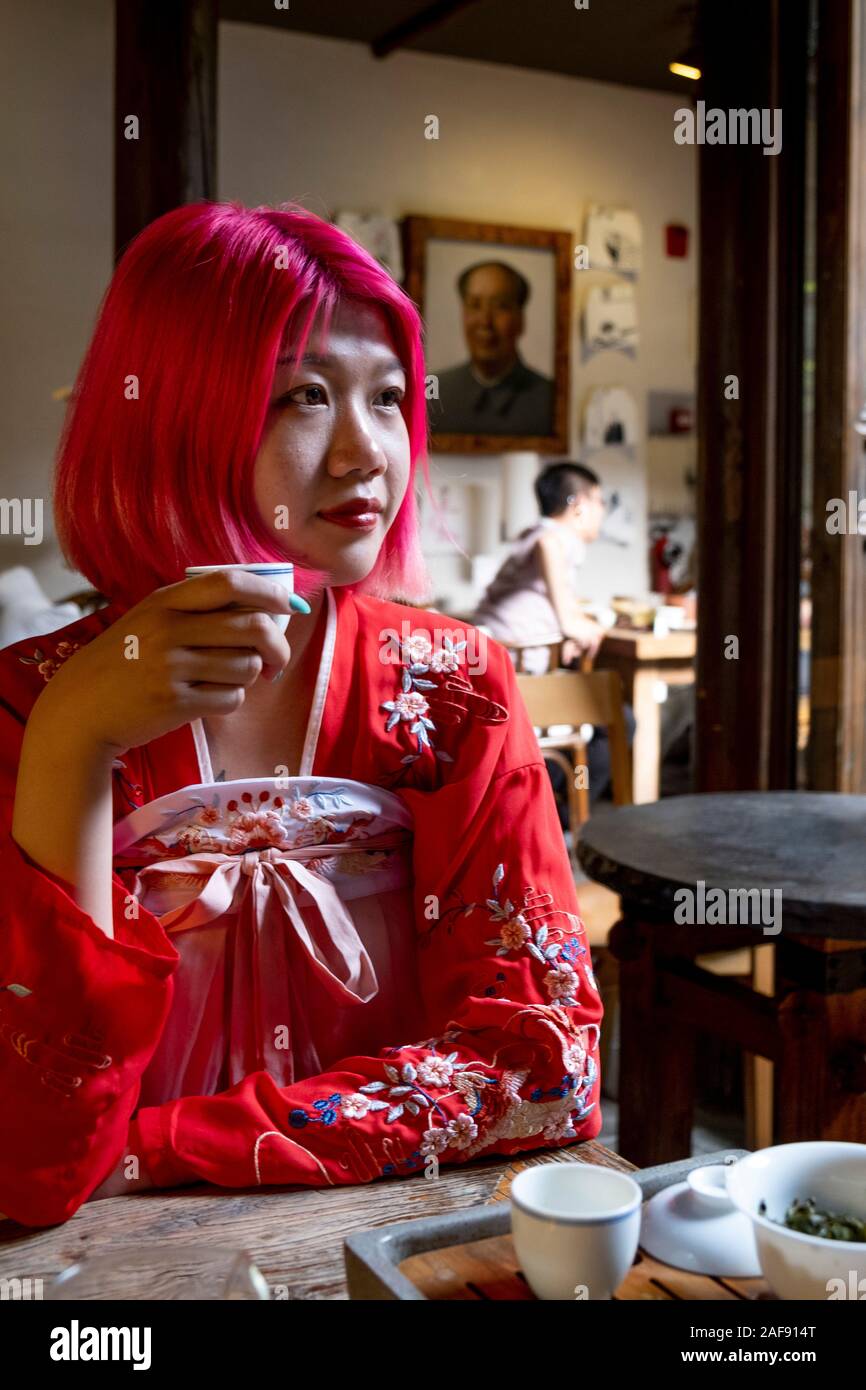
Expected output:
(496, 304)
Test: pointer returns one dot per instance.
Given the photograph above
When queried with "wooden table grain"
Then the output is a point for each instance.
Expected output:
(294, 1234)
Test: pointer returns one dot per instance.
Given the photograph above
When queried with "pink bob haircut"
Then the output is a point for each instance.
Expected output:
(198, 309)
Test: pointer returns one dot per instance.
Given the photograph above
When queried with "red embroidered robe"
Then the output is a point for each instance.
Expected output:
(504, 1053)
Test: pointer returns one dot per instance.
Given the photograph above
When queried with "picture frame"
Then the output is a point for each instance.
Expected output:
(496, 303)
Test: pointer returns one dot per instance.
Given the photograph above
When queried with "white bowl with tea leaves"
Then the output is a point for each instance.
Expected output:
(807, 1205)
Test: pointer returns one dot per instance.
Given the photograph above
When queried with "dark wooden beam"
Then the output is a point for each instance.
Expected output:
(837, 745)
(426, 19)
(165, 78)
(750, 447)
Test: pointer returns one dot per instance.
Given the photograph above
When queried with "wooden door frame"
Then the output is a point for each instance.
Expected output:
(750, 448)
(837, 744)
(165, 75)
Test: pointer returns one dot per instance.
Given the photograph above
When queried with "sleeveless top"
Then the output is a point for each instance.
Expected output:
(516, 606)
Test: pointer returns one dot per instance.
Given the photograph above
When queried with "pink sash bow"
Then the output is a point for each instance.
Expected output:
(261, 887)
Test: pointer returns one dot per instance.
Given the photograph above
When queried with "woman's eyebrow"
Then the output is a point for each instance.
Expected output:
(318, 359)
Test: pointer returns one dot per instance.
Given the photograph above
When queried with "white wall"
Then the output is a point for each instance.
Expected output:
(56, 157)
(322, 122)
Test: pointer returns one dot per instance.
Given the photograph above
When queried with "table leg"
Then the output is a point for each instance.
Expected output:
(646, 749)
(758, 1071)
(657, 1062)
(821, 1070)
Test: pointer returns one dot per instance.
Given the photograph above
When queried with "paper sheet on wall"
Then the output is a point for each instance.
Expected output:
(378, 235)
(610, 319)
(614, 240)
(610, 418)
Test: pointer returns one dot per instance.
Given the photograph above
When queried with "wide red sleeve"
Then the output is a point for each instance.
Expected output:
(507, 1058)
(80, 1017)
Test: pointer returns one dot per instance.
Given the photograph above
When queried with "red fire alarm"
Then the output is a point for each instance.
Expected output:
(676, 240)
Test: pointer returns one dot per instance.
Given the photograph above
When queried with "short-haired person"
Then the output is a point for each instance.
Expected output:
(217, 949)
(533, 597)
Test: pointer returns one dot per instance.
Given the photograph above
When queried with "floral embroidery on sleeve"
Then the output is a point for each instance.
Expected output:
(495, 1110)
(49, 665)
(132, 793)
(527, 929)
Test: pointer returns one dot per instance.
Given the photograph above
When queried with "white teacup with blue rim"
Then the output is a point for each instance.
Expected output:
(282, 572)
(575, 1228)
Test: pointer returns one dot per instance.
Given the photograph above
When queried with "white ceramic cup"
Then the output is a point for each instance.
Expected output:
(282, 572)
(575, 1228)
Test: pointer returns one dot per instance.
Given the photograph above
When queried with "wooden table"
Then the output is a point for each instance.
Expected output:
(811, 846)
(643, 660)
(295, 1235)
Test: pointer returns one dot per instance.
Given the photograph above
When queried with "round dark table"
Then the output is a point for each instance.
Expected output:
(687, 870)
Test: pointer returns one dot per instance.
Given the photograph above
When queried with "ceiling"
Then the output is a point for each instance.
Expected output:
(625, 41)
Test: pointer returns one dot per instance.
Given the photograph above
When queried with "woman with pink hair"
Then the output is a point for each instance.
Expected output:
(272, 913)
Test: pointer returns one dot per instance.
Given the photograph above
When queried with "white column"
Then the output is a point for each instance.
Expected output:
(486, 509)
(519, 506)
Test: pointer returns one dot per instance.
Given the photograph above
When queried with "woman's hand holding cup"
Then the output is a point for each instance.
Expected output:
(187, 651)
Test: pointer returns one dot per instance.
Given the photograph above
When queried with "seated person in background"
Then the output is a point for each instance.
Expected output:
(533, 597)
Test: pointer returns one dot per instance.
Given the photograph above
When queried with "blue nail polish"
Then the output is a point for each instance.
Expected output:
(299, 604)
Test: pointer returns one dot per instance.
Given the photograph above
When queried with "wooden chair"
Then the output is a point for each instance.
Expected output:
(574, 698)
(519, 650)
(88, 600)
(567, 751)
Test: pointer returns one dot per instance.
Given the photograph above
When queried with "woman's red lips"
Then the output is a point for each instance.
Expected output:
(359, 512)
(354, 505)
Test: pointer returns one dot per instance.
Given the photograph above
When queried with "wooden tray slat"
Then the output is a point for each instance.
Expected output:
(680, 1284)
(488, 1269)
(749, 1288)
(639, 1284)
